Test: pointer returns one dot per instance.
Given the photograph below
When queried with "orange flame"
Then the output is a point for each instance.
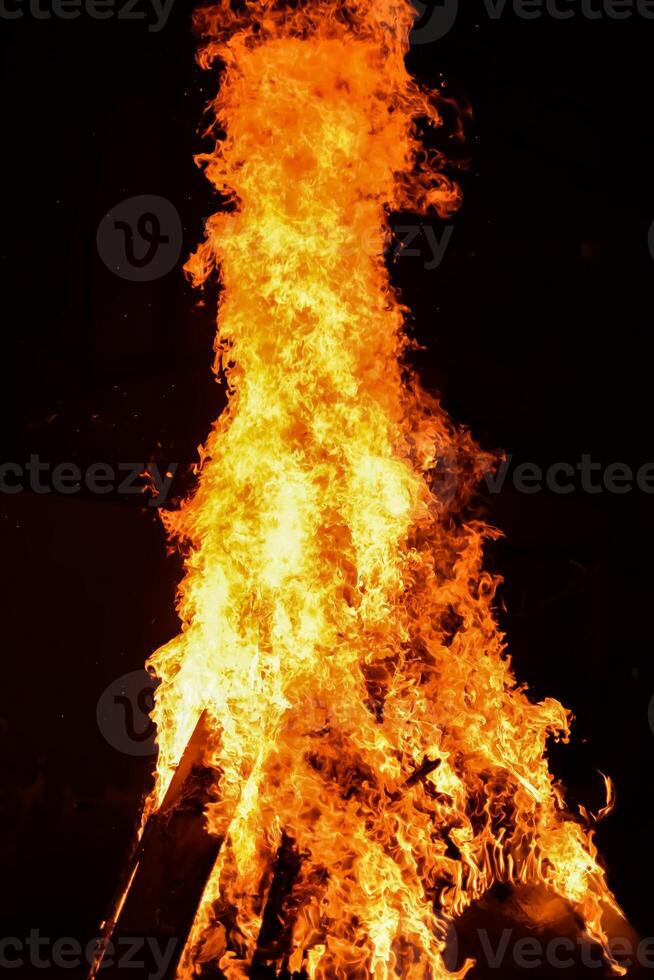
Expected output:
(338, 625)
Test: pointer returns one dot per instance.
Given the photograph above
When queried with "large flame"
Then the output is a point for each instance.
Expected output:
(338, 625)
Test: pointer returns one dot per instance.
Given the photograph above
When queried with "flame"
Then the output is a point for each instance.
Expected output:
(338, 624)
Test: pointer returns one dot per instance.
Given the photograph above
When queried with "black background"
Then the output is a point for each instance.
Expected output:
(537, 329)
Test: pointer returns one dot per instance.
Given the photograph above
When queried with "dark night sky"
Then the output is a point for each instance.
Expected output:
(537, 334)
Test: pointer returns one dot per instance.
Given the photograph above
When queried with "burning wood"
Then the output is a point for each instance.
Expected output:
(167, 873)
(377, 767)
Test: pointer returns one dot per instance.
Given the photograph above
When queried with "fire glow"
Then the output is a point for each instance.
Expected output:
(338, 626)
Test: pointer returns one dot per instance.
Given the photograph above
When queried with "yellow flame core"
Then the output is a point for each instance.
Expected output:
(338, 624)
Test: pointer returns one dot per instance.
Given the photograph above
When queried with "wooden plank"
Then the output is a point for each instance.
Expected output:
(165, 877)
(278, 917)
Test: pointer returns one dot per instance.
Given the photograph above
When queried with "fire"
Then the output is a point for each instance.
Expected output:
(338, 625)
